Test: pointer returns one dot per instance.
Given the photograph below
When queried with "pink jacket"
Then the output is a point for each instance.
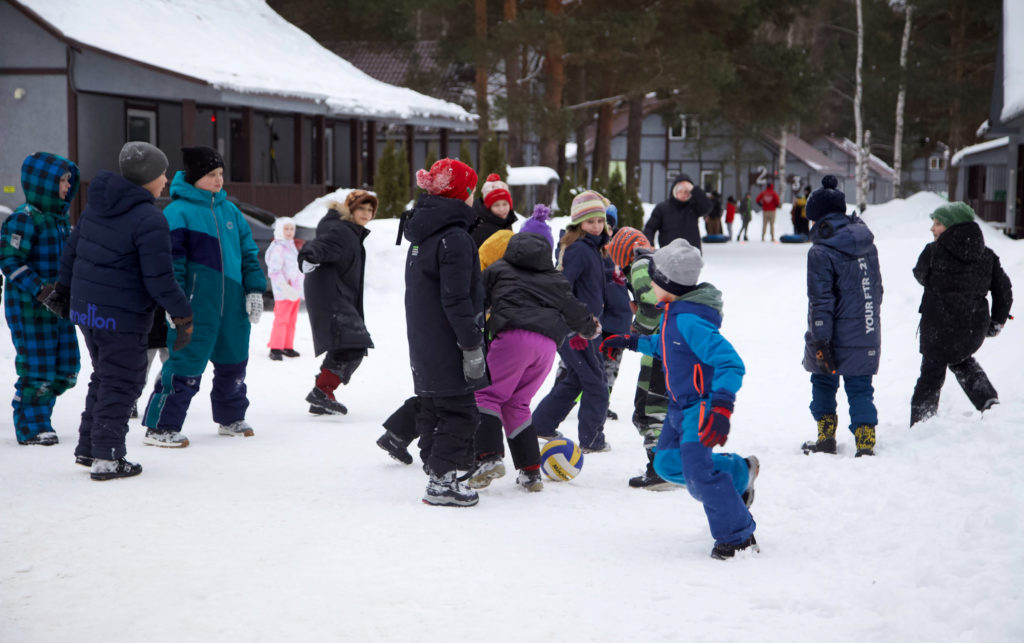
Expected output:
(283, 266)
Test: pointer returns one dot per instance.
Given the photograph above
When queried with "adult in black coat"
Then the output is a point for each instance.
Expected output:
(957, 271)
(336, 263)
(444, 312)
(678, 215)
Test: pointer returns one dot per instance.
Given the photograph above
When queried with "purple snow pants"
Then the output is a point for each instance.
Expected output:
(518, 361)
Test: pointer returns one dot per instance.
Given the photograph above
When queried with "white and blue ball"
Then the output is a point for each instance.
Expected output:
(561, 459)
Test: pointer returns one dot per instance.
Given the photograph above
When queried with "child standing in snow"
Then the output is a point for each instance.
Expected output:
(844, 329)
(336, 262)
(31, 241)
(617, 312)
(530, 305)
(286, 281)
(730, 213)
(702, 375)
(582, 264)
(494, 211)
(746, 207)
(444, 311)
(957, 271)
(216, 263)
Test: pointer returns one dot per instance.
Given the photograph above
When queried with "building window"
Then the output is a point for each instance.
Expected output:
(140, 125)
(711, 181)
(937, 163)
(686, 126)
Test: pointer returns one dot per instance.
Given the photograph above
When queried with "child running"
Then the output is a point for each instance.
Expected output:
(530, 306)
(582, 251)
(703, 372)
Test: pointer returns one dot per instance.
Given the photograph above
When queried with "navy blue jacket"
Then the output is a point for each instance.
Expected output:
(583, 268)
(617, 313)
(118, 260)
(444, 296)
(844, 295)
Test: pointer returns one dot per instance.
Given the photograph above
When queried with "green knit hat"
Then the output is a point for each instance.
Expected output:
(950, 214)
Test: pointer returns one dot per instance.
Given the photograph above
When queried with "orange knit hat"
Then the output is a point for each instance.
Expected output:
(622, 245)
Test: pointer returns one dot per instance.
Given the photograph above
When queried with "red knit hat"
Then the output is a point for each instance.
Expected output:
(498, 194)
(449, 178)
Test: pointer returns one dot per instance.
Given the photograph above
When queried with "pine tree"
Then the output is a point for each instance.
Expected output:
(390, 192)
(492, 160)
(566, 191)
(631, 212)
(431, 156)
(465, 153)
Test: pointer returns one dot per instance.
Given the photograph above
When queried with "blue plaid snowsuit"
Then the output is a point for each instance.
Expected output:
(31, 241)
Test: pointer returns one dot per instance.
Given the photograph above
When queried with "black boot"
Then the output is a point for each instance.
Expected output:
(826, 442)
(396, 447)
(650, 480)
(726, 551)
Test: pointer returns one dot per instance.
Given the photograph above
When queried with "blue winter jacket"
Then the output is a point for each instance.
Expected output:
(117, 261)
(698, 362)
(583, 268)
(617, 313)
(844, 295)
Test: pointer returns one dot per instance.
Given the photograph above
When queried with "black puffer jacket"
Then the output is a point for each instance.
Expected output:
(525, 291)
(334, 291)
(673, 219)
(444, 296)
(487, 223)
(957, 272)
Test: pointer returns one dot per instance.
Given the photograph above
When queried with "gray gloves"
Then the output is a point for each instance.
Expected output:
(474, 367)
(254, 306)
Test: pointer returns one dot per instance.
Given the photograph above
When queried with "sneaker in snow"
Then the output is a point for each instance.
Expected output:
(446, 491)
(725, 551)
(530, 480)
(650, 481)
(602, 448)
(83, 460)
(485, 471)
(43, 439)
(326, 402)
(754, 466)
(110, 469)
(237, 429)
(165, 438)
(393, 445)
(554, 436)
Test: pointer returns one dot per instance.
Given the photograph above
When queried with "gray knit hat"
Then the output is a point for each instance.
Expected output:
(141, 162)
(676, 267)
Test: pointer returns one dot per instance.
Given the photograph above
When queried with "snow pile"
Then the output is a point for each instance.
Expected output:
(1013, 60)
(241, 45)
(977, 149)
(308, 532)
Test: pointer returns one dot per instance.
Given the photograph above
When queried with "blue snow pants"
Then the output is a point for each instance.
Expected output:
(716, 480)
(859, 392)
(584, 373)
(118, 375)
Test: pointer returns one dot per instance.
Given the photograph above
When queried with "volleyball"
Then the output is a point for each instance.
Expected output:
(561, 459)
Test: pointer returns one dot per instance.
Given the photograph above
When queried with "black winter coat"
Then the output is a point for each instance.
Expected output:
(334, 291)
(444, 296)
(844, 295)
(487, 224)
(672, 218)
(525, 291)
(118, 261)
(957, 272)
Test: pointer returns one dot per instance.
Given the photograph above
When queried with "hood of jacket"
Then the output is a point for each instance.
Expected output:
(530, 252)
(682, 176)
(111, 195)
(846, 234)
(279, 228)
(40, 180)
(433, 213)
(182, 189)
(964, 241)
(707, 295)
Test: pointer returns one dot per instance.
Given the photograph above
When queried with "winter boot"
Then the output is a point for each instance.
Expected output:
(530, 480)
(445, 490)
(110, 469)
(83, 460)
(236, 429)
(724, 551)
(42, 439)
(395, 447)
(165, 438)
(487, 469)
(612, 415)
(290, 352)
(826, 436)
(324, 403)
(865, 438)
(650, 480)
(754, 467)
(276, 354)
(134, 412)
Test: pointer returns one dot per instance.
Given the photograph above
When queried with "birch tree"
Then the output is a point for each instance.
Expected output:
(858, 112)
(901, 97)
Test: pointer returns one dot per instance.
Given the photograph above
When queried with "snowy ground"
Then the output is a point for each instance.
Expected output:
(309, 532)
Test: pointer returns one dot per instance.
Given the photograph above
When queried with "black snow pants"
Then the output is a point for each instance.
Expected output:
(968, 373)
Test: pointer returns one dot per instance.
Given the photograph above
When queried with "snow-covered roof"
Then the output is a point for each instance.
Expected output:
(874, 163)
(531, 175)
(810, 157)
(1013, 60)
(239, 45)
(980, 147)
